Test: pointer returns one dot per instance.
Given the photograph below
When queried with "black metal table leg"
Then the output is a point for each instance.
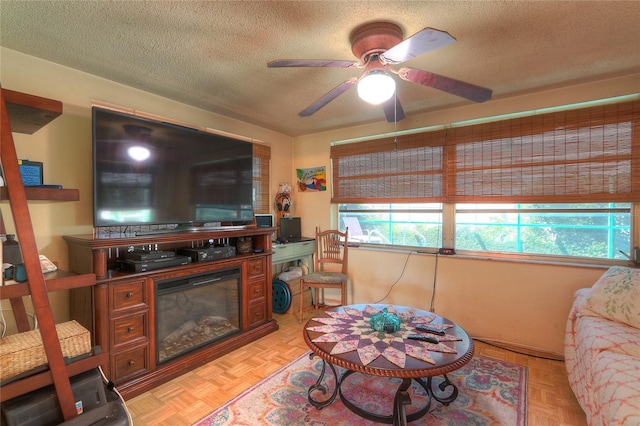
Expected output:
(445, 393)
(401, 399)
(440, 397)
(318, 386)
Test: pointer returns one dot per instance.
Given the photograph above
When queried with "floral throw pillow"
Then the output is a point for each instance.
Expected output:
(616, 296)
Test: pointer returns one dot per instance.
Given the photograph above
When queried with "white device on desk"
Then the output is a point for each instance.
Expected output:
(264, 220)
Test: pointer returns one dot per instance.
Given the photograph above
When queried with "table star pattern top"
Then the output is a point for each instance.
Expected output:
(350, 330)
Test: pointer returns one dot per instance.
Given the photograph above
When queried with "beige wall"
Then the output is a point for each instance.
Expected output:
(522, 303)
(516, 302)
(519, 303)
(64, 146)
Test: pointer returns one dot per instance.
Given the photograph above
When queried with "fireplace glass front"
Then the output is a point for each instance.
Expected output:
(196, 310)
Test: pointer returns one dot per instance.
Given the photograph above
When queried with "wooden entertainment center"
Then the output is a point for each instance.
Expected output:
(121, 310)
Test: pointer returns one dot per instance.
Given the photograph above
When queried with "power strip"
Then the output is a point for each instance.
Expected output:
(446, 251)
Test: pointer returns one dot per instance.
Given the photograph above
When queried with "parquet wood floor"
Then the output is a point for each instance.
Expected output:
(188, 398)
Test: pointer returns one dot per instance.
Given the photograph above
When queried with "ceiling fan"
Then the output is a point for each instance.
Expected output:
(379, 45)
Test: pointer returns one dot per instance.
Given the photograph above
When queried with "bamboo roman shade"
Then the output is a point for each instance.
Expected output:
(582, 155)
(261, 160)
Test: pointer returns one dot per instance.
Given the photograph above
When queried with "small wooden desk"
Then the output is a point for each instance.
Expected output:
(290, 252)
(302, 251)
(353, 321)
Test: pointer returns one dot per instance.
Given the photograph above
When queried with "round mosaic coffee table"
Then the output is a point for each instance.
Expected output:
(344, 337)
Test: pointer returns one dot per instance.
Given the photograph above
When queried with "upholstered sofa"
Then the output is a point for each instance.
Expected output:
(602, 348)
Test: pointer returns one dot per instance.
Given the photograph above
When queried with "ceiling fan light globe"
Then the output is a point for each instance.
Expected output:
(376, 87)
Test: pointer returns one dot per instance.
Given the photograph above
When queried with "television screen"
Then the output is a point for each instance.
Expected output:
(151, 172)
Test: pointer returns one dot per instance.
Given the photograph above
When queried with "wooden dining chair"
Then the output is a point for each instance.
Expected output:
(330, 266)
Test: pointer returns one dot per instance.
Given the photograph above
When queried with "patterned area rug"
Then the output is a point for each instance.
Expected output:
(491, 392)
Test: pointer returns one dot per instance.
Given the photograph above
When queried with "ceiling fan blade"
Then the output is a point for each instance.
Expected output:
(331, 95)
(313, 63)
(393, 109)
(421, 42)
(446, 84)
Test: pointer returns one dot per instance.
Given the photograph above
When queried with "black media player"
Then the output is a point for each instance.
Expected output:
(154, 264)
(205, 254)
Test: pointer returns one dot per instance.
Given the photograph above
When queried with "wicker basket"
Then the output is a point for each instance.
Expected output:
(24, 351)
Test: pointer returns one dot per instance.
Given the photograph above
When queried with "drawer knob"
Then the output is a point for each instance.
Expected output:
(129, 329)
(129, 295)
(256, 290)
(131, 363)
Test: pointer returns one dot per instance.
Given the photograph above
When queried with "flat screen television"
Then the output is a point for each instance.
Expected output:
(150, 172)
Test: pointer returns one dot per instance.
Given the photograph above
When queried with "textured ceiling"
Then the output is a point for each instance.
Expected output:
(214, 54)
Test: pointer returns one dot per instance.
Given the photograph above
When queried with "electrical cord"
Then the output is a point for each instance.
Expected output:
(404, 268)
(110, 385)
(304, 266)
(431, 308)
(487, 342)
(3, 321)
(433, 292)
(435, 276)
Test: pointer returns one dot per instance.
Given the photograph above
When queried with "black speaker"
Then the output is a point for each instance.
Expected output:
(41, 406)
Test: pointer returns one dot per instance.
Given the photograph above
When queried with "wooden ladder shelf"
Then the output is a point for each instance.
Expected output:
(28, 113)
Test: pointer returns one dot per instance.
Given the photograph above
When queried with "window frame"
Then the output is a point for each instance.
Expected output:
(375, 237)
(559, 128)
(448, 237)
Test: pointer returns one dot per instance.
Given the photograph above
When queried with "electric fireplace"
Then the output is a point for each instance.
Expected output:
(196, 310)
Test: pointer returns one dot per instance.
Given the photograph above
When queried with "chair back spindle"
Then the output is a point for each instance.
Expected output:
(330, 262)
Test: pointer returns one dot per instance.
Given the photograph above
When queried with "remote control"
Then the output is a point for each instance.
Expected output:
(430, 329)
(423, 337)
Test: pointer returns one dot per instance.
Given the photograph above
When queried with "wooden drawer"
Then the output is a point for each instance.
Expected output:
(129, 363)
(256, 267)
(304, 248)
(256, 290)
(283, 251)
(257, 313)
(127, 295)
(128, 329)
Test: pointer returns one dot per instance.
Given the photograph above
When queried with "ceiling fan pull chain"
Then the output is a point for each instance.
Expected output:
(395, 121)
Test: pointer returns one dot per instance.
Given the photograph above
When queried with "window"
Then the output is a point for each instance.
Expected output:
(261, 159)
(418, 225)
(577, 230)
(561, 183)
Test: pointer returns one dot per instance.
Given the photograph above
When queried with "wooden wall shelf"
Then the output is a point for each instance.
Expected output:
(56, 281)
(28, 113)
(20, 112)
(45, 194)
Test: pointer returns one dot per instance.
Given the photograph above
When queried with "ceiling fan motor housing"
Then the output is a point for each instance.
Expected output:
(374, 38)
(378, 45)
